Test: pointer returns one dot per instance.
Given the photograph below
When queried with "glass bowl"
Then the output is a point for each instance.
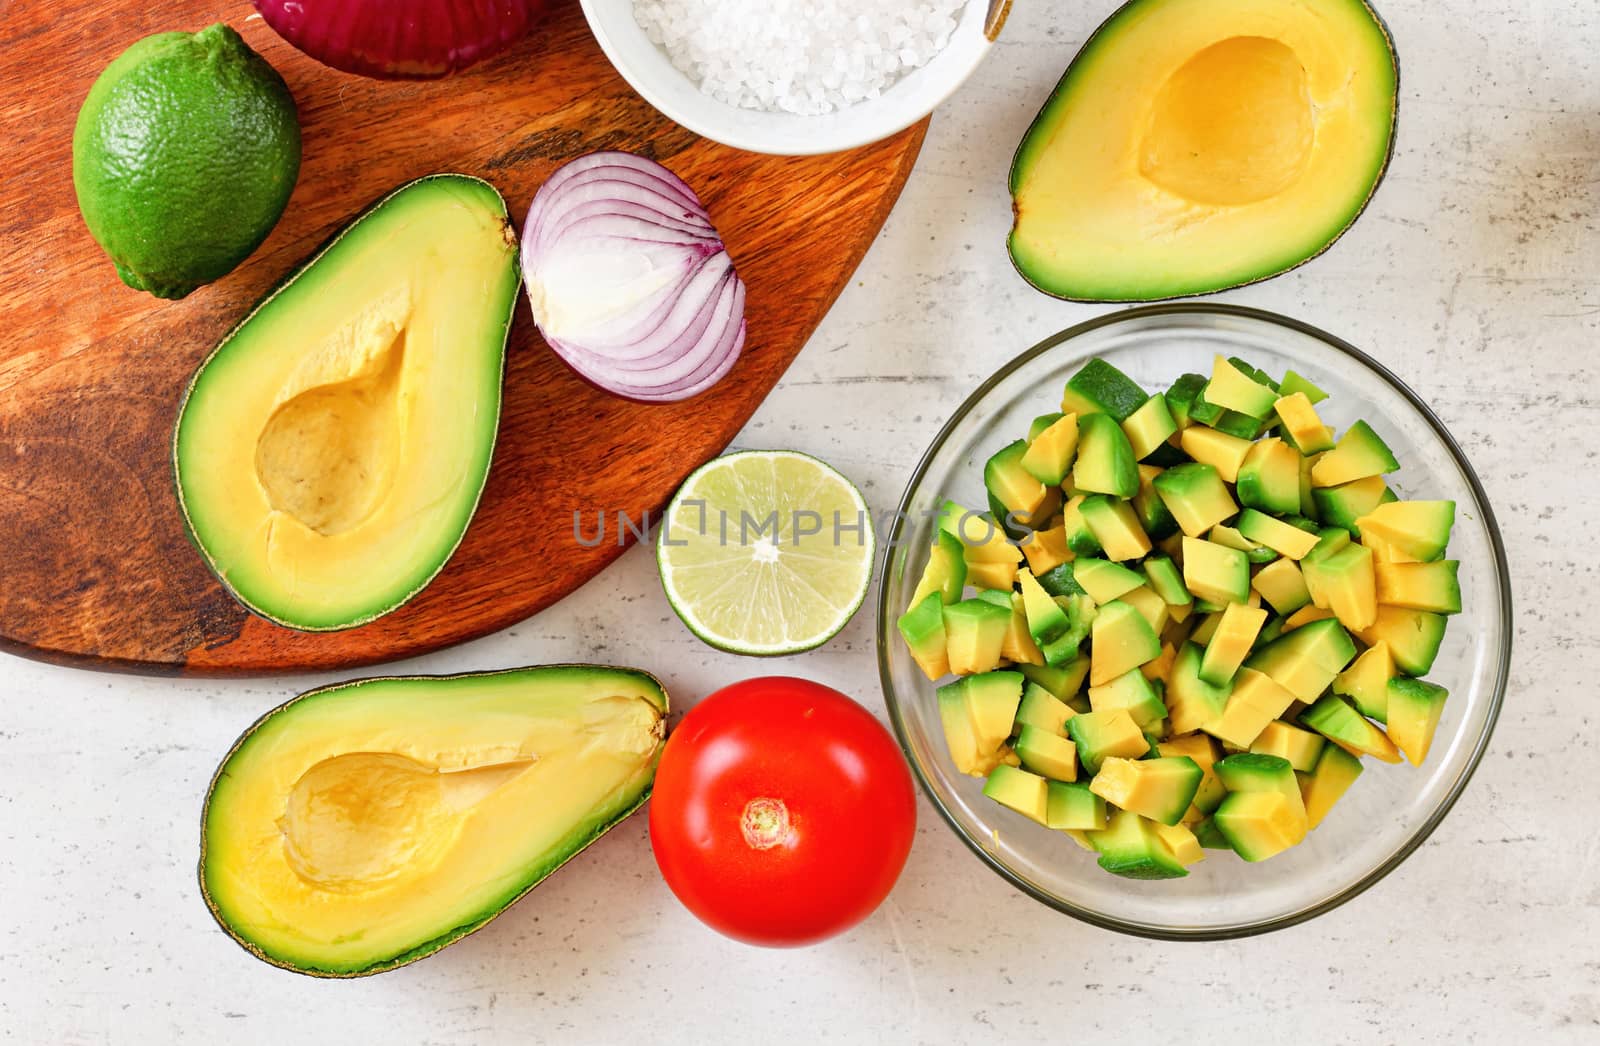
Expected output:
(1390, 810)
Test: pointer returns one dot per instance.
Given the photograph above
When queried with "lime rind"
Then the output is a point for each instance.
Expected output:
(742, 567)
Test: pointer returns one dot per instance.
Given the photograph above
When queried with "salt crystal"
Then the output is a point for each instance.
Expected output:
(800, 56)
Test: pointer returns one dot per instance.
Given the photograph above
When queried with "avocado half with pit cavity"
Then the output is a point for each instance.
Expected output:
(363, 826)
(331, 451)
(1196, 145)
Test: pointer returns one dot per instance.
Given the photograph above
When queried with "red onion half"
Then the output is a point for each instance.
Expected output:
(629, 282)
(401, 39)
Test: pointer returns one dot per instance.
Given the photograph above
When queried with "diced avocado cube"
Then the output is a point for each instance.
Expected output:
(1042, 422)
(1335, 772)
(1132, 692)
(1218, 449)
(1259, 825)
(1059, 581)
(1104, 581)
(991, 577)
(1182, 395)
(1018, 789)
(1414, 710)
(1153, 514)
(1420, 586)
(1191, 701)
(1062, 681)
(977, 713)
(1080, 539)
(946, 571)
(1072, 807)
(1149, 427)
(1257, 772)
(1282, 585)
(1366, 681)
(1166, 580)
(1160, 788)
(1269, 478)
(922, 627)
(1227, 536)
(1150, 606)
(1121, 640)
(1130, 846)
(1046, 619)
(1044, 710)
(974, 631)
(1341, 506)
(1329, 541)
(1196, 496)
(1255, 374)
(1046, 753)
(983, 541)
(1418, 530)
(1010, 484)
(1413, 637)
(1282, 538)
(1302, 429)
(1046, 549)
(1300, 747)
(1306, 660)
(1347, 582)
(1098, 387)
(1100, 735)
(1203, 750)
(1255, 701)
(1222, 419)
(1336, 720)
(1115, 527)
(1293, 383)
(1359, 453)
(1215, 572)
(1018, 645)
(1105, 464)
(1051, 452)
(1231, 388)
(1231, 642)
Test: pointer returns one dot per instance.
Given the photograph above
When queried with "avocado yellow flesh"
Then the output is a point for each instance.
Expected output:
(365, 825)
(1195, 145)
(330, 452)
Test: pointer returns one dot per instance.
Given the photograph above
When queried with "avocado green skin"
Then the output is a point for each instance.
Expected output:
(534, 876)
(184, 155)
(514, 278)
(1058, 95)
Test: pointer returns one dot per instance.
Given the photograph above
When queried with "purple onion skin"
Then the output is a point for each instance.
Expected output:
(401, 39)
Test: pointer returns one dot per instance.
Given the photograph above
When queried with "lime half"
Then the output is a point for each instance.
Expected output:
(766, 552)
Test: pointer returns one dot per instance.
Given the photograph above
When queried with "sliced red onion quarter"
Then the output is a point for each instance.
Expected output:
(629, 282)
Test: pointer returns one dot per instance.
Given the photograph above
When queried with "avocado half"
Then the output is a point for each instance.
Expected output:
(1197, 145)
(363, 826)
(330, 452)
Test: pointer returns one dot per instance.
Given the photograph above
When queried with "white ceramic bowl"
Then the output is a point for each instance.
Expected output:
(647, 68)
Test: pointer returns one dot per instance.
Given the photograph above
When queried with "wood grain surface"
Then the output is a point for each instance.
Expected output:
(94, 566)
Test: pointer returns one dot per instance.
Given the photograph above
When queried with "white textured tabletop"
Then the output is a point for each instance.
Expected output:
(1475, 275)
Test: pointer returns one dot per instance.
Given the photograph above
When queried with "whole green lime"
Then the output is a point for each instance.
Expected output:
(185, 153)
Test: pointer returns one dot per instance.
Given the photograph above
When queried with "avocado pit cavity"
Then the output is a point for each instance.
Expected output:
(359, 820)
(1232, 125)
(328, 455)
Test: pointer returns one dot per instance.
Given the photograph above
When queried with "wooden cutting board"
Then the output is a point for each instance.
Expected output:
(95, 570)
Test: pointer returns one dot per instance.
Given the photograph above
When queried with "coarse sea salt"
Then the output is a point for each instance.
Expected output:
(797, 56)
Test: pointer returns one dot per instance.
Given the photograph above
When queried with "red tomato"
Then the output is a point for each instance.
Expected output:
(782, 812)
